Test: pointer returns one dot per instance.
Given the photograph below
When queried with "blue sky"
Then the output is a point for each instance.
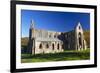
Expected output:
(53, 21)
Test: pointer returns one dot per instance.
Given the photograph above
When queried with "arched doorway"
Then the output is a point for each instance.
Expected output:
(40, 46)
(53, 46)
(80, 40)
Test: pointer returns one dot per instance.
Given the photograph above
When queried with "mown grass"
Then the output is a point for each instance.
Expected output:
(62, 56)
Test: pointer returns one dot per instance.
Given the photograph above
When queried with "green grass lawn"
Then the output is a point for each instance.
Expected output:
(63, 56)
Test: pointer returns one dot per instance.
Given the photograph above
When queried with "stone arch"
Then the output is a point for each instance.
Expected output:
(53, 46)
(79, 27)
(40, 46)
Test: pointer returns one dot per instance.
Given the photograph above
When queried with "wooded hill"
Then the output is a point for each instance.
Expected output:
(24, 41)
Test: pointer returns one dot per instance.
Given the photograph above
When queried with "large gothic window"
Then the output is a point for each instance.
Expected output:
(80, 39)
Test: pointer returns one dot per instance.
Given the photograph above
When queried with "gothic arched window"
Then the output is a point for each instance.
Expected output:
(40, 46)
(80, 39)
(53, 46)
(79, 27)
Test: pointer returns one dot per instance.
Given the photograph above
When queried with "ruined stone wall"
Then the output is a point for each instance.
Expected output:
(81, 44)
(47, 42)
(70, 40)
(44, 41)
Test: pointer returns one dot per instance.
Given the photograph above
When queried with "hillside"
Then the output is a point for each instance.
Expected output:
(24, 41)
